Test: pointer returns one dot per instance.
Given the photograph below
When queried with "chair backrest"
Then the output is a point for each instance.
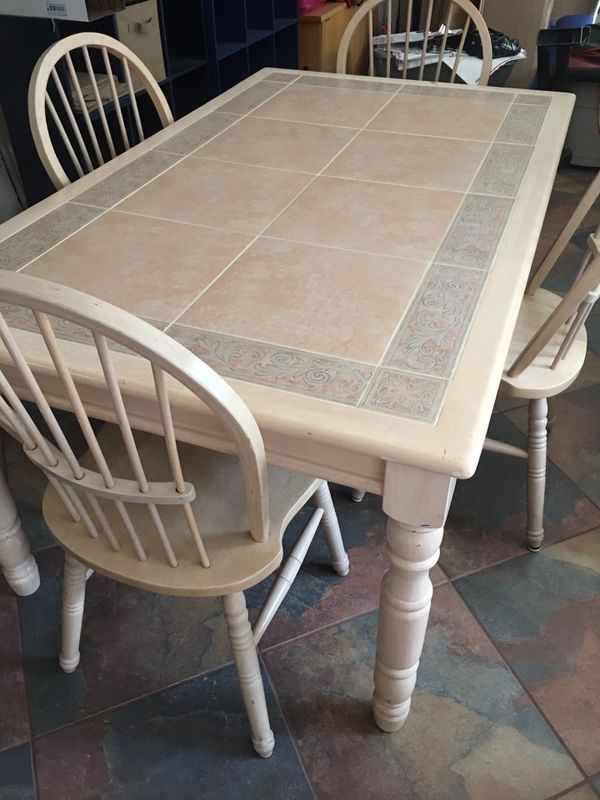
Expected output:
(568, 316)
(49, 306)
(85, 85)
(422, 37)
(590, 196)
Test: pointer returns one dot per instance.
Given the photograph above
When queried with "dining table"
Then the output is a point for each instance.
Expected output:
(350, 253)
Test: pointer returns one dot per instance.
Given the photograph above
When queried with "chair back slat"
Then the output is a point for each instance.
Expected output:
(473, 18)
(71, 117)
(63, 135)
(83, 109)
(90, 494)
(173, 454)
(83, 127)
(570, 304)
(98, 100)
(115, 98)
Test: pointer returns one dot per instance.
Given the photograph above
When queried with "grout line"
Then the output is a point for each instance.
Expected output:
(284, 209)
(306, 634)
(498, 649)
(286, 722)
(564, 792)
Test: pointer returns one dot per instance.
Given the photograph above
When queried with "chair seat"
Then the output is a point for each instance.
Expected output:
(237, 561)
(538, 380)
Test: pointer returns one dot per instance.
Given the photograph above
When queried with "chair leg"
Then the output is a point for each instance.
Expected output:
(358, 495)
(248, 670)
(75, 576)
(331, 530)
(536, 472)
(551, 415)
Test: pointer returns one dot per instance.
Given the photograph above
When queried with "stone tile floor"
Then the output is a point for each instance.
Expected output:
(507, 703)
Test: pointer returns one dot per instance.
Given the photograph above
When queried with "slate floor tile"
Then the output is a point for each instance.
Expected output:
(472, 731)
(543, 614)
(487, 518)
(187, 742)
(16, 777)
(14, 721)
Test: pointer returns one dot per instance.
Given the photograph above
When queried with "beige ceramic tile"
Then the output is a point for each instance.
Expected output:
(472, 117)
(324, 105)
(149, 267)
(411, 160)
(372, 217)
(275, 143)
(311, 298)
(233, 196)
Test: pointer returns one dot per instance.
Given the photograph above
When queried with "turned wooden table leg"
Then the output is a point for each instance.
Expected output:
(17, 563)
(421, 500)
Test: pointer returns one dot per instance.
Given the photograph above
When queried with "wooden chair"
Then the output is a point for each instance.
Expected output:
(547, 354)
(74, 84)
(409, 23)
(143, 509)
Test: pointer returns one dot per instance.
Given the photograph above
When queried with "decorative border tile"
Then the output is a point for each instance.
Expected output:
(405, 395)
(280, 367)
(475, 233)
(23, 319)
(350, 83)
(22, 247)
(454, 92)
(252, 98)
(522, 124)
(126, 180)
(281, 77)
(197, 134)
(531, 99)
(431, 334)
(503, 169)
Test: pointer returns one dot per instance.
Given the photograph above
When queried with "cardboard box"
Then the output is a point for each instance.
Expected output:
(81, 10)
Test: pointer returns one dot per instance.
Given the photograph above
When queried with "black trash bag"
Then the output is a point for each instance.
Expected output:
(502, 45)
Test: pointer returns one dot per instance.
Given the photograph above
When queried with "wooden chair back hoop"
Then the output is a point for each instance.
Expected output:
(563, 312)
(167, 357)
(473, 15)
(556, 250)
(41, 105)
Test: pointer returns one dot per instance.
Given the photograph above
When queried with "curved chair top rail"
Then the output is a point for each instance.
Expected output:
(105, 322)
(473, 17)
(56, 94)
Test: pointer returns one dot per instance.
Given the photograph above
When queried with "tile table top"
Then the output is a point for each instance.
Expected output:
(360, 245)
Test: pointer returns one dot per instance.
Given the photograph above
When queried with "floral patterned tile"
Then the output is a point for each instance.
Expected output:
(503, 170)
(432, 332)
(188, 741)
(34, 240)
(281, 77)
(251, 98)
(487, 519)
(472, 731)
(301, 372)
(405, 394)
(198, 133)
(475, 232)
(530, 99)
(14, 719)
(523, 124)
(349, 83)
(16, 775)
(116, 187)
(543, 614)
